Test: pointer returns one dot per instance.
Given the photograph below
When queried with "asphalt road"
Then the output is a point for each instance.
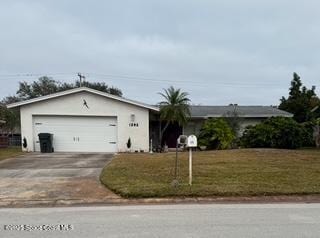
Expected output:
(276, 220)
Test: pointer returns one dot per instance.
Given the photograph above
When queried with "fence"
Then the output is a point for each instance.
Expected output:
(14, 140)
(10, 140)
(4, 142)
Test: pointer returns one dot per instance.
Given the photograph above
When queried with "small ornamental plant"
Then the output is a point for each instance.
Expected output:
(129, 144)
(24, 144)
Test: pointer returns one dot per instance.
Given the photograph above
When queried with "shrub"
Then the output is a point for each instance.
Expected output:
(216, 134)
(308, 130)
(259, 136)
(275, 132)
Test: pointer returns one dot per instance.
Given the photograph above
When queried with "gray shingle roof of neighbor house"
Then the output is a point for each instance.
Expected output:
(242, 111)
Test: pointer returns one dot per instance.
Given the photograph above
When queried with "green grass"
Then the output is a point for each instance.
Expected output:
(10, 152)
(246, 172)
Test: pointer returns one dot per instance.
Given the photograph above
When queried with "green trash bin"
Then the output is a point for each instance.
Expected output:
(46, 142)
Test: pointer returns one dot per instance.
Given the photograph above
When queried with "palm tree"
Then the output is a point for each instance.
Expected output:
(175, 108)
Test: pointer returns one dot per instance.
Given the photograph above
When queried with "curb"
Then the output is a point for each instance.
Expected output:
(158, 201)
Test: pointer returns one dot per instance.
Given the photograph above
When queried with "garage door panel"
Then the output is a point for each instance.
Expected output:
(78, 134)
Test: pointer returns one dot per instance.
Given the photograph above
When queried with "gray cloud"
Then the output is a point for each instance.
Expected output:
(226, 51)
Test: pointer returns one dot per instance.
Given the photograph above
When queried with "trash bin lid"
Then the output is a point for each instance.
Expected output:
(44, 135)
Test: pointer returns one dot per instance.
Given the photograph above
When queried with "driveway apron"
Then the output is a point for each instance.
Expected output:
(55, 178)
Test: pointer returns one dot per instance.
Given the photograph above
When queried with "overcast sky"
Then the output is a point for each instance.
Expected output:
(221, 52)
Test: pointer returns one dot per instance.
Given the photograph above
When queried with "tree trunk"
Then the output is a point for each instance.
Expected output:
(162, 132)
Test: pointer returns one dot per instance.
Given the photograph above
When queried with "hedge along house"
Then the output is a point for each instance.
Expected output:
(85, 120)
(245, 115)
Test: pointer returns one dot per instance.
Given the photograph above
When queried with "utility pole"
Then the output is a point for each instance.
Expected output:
(80, 78)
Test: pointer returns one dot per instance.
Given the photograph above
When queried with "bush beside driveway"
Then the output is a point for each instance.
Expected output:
(245, 172)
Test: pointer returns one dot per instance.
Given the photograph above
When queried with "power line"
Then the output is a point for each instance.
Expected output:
(199, 83)
(34, 74)
(126, 77)
(99, 76)
(170, 81)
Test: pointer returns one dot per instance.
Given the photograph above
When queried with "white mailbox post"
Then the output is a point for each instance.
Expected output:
(192, 142)
(181, 141)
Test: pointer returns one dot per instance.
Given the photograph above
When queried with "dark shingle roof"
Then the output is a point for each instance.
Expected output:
(242, 111)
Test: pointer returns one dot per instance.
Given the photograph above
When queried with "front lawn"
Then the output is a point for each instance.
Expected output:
(245, 172)
(10, 152)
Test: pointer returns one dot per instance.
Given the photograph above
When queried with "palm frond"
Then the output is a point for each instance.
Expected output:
(175, 107)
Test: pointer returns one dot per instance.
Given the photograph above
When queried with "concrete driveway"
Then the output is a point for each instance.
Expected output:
(53, 179)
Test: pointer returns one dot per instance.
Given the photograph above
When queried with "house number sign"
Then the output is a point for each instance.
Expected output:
(133, 124)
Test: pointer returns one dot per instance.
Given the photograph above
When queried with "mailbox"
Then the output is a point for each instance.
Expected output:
(182, 140)
(192, 141)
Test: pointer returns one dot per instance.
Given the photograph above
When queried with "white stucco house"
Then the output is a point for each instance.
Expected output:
(85, 120)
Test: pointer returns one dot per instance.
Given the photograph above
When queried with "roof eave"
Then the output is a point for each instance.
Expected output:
(243, 116)
(76, 90)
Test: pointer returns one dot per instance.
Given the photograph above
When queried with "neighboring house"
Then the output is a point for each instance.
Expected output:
(246, 115)
(87, 120)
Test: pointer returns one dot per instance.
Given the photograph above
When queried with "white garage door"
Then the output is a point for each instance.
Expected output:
(77, 133)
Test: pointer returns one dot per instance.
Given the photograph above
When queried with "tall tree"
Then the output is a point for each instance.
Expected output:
(174, 108)
(10, 116)
(46, 85)
(99, 86)
(300, 101)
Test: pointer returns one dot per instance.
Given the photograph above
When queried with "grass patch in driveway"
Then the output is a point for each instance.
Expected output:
(246, 172)
(10, 152)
